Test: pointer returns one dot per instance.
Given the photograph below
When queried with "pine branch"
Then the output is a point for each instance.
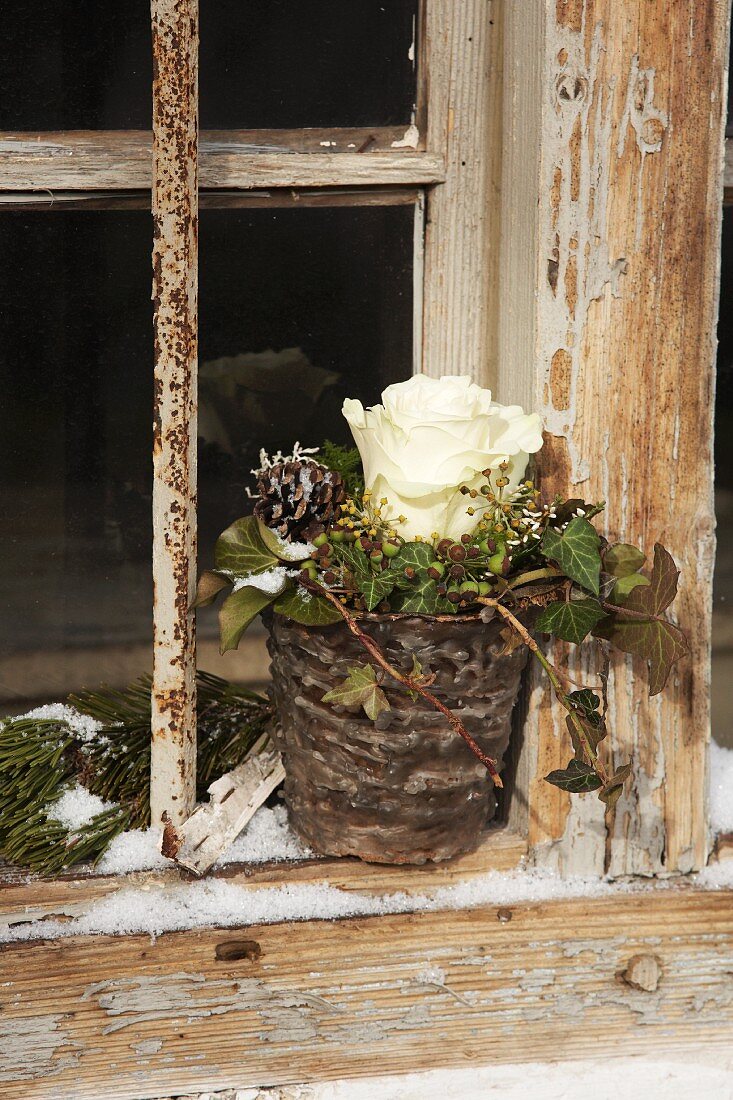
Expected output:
(42, 759)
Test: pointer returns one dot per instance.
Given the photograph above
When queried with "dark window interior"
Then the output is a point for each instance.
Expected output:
(298, 309)
(264, 64)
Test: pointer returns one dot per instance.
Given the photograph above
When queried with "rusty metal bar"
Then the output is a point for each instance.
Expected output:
(175, 231)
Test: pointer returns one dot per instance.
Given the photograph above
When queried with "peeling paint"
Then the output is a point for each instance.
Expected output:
(35, 1046)
(409, 140)
(147, 1046)
(134, 1001)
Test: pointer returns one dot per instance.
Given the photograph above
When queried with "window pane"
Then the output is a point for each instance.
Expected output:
(75, 451)
(80, 65)
(299, 308)
(269, 64)
(265, 64)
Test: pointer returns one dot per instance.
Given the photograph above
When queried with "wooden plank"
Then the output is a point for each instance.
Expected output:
(274, 198)
(175, 299)
(122, 160)
(271, 1004)
(462, 54)
(27, 899)
(620, 323)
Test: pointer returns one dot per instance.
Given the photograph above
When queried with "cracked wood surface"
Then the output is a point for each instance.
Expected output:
(282, 1003)
(611, 290)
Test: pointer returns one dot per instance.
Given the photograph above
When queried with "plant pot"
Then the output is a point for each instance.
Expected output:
(406, 788)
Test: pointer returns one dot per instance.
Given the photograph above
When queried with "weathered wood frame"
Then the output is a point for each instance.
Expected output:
(517, 102)
(598, 304)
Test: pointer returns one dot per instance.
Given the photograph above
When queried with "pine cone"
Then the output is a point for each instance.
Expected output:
(298, 499)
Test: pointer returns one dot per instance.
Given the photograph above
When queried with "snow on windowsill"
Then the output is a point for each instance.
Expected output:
(221, 904)
(218, 903)
(267, 838)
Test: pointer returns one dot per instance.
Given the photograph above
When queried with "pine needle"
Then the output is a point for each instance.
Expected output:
(42, 759)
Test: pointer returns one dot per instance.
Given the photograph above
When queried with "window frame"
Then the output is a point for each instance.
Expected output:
(503, 114)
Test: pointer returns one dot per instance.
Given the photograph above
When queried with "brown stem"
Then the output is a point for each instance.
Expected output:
(555, 679)
(630, 613)
(546, 573)
(412, 685)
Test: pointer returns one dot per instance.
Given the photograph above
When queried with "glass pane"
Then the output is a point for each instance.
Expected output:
(82, 65)
(299, 308)
(269, 64)
(75, 451)
(722, 698)
(265, 64)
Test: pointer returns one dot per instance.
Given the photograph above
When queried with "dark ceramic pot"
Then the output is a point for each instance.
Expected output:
(406, 789)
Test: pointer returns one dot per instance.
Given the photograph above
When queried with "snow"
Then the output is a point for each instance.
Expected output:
(222, 904)
(134, 850)
(77, 807)
(293, 551)
(218, 903)
(85, 728)
(266, 837)
(721, 789)
(271, 581)
(698, 1074)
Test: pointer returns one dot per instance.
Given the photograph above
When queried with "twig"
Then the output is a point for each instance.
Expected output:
(547, 572)
(554, 677)
(645, 616)
(412, 685)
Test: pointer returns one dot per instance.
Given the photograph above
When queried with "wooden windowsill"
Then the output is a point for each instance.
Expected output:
(282, 1003)
(72, 895)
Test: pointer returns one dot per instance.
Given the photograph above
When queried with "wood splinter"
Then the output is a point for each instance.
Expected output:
(198, 842)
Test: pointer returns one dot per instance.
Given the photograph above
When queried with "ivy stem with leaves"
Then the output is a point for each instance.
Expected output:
(557, 685)
(414, 685)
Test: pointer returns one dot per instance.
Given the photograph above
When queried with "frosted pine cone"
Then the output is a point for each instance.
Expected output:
(298, 499)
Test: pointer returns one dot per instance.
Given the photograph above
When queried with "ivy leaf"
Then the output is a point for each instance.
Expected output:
(611, 793)
(208, 588)
(570, 621)
(375, 587)
(422, 598)
(594, 731)
(360, 688)
(285, 551)
(652, 637)
(356, 562)
(625, 585)
(240, 549)
(622, 559)
(585, 700)
(577, 778)
(305, 607)
(576, 551)
(238, 611)
(416, 673)
(419, 555)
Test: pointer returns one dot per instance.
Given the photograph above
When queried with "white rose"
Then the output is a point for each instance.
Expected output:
(431, 436)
